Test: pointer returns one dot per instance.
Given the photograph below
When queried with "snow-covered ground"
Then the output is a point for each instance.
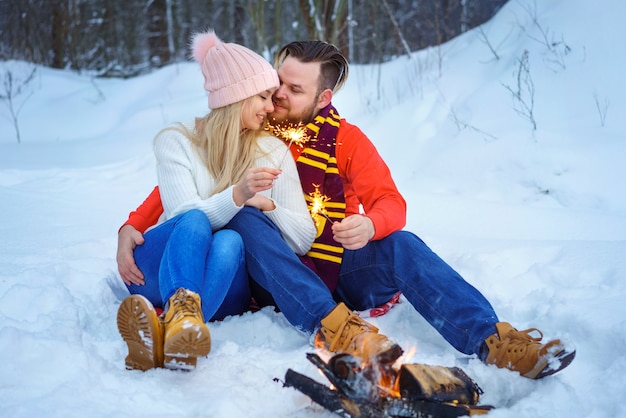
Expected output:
(536, 219)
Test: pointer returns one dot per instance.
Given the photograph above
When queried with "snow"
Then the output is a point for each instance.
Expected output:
(535, 219)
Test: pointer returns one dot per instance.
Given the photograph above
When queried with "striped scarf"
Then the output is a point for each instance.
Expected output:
(323, 191)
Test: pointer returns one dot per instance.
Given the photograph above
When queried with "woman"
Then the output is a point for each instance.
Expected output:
(208, 171)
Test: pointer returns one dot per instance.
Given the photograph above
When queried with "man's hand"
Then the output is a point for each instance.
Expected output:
(127, 239)
(353, 232)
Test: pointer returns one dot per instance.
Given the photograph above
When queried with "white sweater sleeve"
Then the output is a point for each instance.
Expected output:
(291, 215)
(184, 182)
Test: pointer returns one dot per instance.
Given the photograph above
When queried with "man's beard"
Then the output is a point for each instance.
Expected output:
(304, 117)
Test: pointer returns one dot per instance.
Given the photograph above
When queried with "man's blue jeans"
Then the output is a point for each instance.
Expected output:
(184, 252)
(297, 291)
(369, 277)
(372, 275)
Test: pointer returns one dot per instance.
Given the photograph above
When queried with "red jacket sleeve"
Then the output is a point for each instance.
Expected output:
(148, 213)
(367, 181)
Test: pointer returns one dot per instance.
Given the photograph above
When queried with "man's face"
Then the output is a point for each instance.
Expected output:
(296, 99)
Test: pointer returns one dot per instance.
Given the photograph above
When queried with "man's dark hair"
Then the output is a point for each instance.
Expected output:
(333, 65)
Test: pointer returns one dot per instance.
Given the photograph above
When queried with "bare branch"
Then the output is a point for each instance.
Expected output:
(397, 29)
(461, 125)
(524, 91)
(485, 40)
(12, 88)
(601, 107)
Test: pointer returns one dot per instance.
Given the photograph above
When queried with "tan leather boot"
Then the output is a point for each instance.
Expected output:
(519, 351)
(139, 326)
(343, 331)
(186, 337)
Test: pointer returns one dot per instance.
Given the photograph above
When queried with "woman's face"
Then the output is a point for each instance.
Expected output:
(256, 108)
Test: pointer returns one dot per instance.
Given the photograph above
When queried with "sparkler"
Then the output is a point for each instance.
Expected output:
(318, 206)
(292, 134)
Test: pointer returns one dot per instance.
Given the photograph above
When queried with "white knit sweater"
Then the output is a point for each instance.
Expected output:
(185, 183)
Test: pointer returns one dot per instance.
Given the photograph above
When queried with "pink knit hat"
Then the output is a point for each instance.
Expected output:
(231, 72)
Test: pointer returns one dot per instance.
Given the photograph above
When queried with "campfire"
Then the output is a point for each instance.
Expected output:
(361, 390)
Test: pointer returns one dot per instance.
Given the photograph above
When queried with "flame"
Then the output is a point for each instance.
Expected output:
(320, 345)
(389, 383)
(407, 356)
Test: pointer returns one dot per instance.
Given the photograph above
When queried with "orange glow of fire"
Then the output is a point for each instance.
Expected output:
(389, 382)
(322, 351)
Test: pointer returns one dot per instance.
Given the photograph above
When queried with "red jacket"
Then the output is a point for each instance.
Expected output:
(366, 179)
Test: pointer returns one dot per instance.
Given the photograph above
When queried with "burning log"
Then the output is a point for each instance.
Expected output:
(438, 383)
(370, 390)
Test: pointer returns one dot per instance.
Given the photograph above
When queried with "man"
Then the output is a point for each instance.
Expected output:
(361, 257)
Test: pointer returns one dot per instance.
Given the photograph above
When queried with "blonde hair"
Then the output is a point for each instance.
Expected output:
(226, 148)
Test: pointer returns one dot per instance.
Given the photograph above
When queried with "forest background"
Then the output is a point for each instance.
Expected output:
(125, 38)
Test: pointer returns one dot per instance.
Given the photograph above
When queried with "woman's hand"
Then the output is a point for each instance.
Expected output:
(261, 202)
(257, 179)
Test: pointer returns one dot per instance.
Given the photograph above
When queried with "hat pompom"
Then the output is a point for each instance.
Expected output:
(201, 44)
(231, 71)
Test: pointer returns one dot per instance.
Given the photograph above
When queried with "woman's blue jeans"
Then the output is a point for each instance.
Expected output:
(184, 252)
(369, 277)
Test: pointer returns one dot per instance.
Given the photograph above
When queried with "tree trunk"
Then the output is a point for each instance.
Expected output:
(59, 33)
(158, 33)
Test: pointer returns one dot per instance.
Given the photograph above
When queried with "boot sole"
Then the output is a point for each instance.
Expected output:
(139, 327)
(546, 367)
(183, 348)
(180, 363)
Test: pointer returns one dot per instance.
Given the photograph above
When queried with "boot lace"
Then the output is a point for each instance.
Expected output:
(516, 342)
(185, 304)
(348, 330)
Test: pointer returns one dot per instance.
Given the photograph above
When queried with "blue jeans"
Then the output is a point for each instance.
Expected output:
(372, 275)
(369, 277)
(296, 290)
(184, 252)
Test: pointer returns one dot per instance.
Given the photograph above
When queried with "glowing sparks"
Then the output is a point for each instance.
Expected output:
(318, 204)
(290, 134)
